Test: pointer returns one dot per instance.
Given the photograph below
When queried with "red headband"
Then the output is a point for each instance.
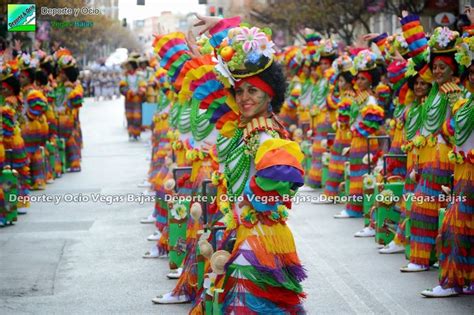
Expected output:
(367, 75)
(7, 86)
(447, 60)
(256, 81)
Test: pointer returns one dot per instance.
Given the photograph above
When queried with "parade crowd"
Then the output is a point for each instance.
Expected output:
(387, 128)
(239, 127)
(40, 139)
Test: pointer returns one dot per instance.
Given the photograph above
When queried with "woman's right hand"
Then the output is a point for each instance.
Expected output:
(207, 22)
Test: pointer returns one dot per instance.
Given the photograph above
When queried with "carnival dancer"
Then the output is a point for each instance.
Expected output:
(133, 87)
(12, 117)
(433, 146)
(323, 110)
(263, 273)
(418, 79)
(456, 241)
(293, 60)
(35, 104)
(45, 82)
(367, 117)
(344, 72)
(68, 100)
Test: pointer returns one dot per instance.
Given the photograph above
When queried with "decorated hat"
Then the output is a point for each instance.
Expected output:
(293, 58)
(328, 48)
(64, 58)
(245, 52)
(397, 43)
(343, 64)
(26, 61)
(7, 69)
(365, 60)
(443, 40)
(465, 51)
(419, 66)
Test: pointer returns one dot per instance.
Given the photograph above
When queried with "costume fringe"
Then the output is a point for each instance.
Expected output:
(456, 257)
(435, 172)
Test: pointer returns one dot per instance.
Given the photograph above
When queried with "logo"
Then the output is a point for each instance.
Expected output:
(21, 18)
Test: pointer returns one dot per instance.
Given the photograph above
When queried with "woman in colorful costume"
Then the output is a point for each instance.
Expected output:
(323, 110)
(263, 273)
(68, 101)
(366, 118)
(433, 145)
(46, 84)
(34, 121)
(418, 79)
(133, 87)
(344, 72)
(456, 252)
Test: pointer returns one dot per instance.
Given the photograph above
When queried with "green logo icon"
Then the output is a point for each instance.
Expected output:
(21, 18)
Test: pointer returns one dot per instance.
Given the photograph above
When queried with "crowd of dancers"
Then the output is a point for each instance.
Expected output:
(41, 139)
(239, 128)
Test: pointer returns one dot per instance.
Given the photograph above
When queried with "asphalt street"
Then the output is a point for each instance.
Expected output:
(79, 252)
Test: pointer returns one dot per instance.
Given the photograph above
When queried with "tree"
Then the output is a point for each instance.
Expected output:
(325, 16)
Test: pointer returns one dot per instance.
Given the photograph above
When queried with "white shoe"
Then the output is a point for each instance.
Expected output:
(152, 253)
(365, 232)
(342, 215)
(392, 248)
(305, 188)
(144, 184)
(411, 267)
(154, 237)
(438, 292)
(168, 298)
(21, 211)
(148, 220)
(50, 181)
(175, 274)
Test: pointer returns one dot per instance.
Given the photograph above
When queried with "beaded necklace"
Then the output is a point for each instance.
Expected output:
(464, 122)
(201, 126)
(434, 110)
(399, 110)
(184, 122)
(322, 91)
(224, 145)
(413, 121)
(237, 165)
(174, 115)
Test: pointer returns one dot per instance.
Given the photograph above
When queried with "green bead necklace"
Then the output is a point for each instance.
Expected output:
(434, 110)
(464, 122)
(201, 127)
(184, 122)
(413, 121)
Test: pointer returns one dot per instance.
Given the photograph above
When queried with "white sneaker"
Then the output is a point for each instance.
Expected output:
(365, 232)
(342, 215)
(155, 236)
(175, 274)
(21, 211)
(438, 292)
(168, 298)
(152, 253)
(144, 184)
(148, 220)
(392, 248)
(411, 267)
(49, 181)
